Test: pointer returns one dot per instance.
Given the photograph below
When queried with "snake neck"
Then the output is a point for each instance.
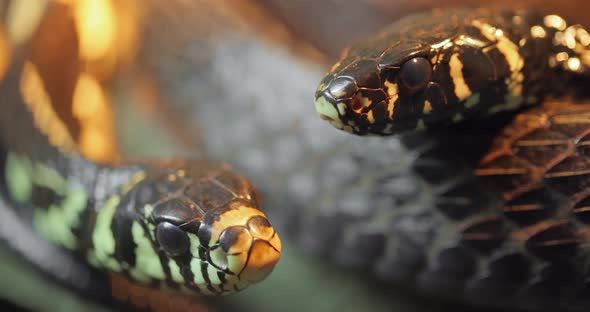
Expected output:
(61, 196)
(47, 183)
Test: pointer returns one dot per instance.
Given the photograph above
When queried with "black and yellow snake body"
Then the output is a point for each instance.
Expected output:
(517, 219)
(447, 66)
(493, 215)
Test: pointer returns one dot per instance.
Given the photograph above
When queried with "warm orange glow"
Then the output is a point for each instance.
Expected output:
(107, 33)
(39, 103)
(129, 16)
(89, 99)
(5, 52)
(91, 106)
(96, 23)
(94, 144)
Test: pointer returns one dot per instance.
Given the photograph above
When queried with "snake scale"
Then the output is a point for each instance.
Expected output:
(189, 226)
(427, 209)
(444, 67)
(408, 208)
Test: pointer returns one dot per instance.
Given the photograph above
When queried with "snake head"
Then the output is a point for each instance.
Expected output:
(425, 70)
(241, 242)
(207, 231)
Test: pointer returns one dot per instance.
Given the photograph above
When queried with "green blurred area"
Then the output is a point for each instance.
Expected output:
(297, 284)
(23, 286)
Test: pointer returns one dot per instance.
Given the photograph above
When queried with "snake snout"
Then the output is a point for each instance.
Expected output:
(264, 252)
(243, 244)
(353, 100)
(333, 99)
(252, 250)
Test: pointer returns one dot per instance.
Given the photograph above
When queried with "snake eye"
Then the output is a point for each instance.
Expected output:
(415, 74)
(174, 240)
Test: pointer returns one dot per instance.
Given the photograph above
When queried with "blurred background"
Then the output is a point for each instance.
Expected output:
(134, 78)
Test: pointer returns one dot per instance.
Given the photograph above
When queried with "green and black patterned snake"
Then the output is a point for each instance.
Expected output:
(475, 211)
(438, 209)
(192, 226)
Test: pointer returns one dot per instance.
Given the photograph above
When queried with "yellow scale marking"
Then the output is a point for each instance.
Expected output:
(427, 107)
(366, 101)
(515, 62)
(462, 90)
(392, 92)
(371, 117)
(38, 102)
(328, 112)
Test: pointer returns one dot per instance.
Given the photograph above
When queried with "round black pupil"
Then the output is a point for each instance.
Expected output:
(415, 73)
(172, 239)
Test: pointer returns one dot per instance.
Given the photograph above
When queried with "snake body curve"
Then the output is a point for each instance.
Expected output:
(442, 68)
(191, 227)
(410, 208)
(402, 207)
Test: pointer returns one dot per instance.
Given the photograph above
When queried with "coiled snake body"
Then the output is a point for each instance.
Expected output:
(518, 222)
(408, 208)
(189, 226)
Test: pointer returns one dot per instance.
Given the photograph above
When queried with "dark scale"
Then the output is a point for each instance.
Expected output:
(532, 206)
(515, 196)
(582, 210)
(206, 277)
(463, 200)
(542, 146)
(44, 197)
(557, 242)
(507, 275)
(571, 176)
(453, 266)
(484, 235)
(125, 245)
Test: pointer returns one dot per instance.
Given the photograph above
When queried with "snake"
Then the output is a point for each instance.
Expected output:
(190, 226)
(418, 209)
(446, 67)
(406, 208)
(425, 70)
